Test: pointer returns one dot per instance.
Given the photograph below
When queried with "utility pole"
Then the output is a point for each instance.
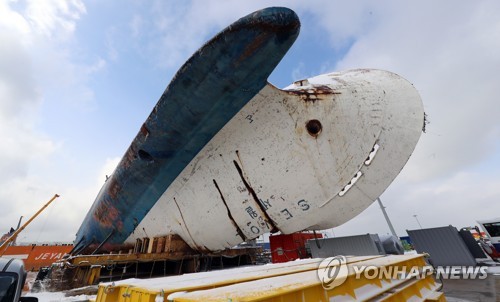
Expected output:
(18, 225)
(415, 215)
(387, 218)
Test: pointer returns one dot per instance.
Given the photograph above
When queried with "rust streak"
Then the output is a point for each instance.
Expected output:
(106, 214)
(129, 157)
(239, 158)
(250, 49)
(144, 130)
(240, 232)
(114, 188)
(257, 201)
(316, 93)
(185, 226)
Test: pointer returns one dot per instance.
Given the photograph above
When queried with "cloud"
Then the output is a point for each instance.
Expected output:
(298, 72)
(459, 200)
(35, 37)
(54, 16)
(60, 221)
(17, 86)
(12, 20)
(449, 53)
(20, 97)
(176, 30)
(136, 25)
(24, 196)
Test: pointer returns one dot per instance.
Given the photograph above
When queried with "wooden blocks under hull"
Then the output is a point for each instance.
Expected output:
(150, 257)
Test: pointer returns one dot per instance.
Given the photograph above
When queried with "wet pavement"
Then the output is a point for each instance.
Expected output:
(473, 290)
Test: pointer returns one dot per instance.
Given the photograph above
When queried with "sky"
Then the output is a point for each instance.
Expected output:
(78, 78)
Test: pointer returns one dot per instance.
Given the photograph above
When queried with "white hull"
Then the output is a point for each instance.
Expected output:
(265, 170)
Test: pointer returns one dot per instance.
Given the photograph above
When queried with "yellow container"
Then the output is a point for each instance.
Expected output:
(292, 281)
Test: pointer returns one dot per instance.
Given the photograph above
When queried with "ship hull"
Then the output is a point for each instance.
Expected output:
(207, 91)
(226, 157)
(267, 170)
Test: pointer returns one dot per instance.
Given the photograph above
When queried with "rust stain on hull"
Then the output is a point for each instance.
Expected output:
(315, 93)
(238, 229)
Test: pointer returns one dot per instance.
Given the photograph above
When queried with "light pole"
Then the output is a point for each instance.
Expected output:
(415, 215)
(387, 218)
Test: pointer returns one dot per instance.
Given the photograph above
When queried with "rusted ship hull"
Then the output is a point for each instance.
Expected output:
(225, 157)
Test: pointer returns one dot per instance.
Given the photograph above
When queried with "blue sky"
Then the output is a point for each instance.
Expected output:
(78, 78)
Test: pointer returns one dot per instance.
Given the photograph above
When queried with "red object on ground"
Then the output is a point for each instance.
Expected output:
(37, 256)
(289, 247)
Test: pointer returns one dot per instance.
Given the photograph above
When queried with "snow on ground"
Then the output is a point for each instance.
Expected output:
(59, 297)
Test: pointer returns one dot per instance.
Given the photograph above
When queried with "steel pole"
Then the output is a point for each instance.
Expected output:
(417, 221)
(387, 218)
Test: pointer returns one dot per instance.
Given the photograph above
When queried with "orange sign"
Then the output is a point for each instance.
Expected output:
(37, 256)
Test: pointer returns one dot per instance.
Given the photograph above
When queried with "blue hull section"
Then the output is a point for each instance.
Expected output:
(207, 91)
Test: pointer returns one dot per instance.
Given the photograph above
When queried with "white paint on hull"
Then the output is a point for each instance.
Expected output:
(264, 170)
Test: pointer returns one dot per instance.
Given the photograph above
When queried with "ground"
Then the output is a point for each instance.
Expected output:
(473, 290)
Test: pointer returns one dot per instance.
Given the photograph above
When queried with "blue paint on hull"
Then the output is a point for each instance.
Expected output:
(207, 91)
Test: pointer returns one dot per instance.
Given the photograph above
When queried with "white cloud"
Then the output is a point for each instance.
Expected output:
(176, 30)
(54, 16)
(34, 38)
(97, 66)
(459, 200)
(17, 87)
(298, 72)
(108, 169)
(136, 25)
(60, 221)
(12, 20)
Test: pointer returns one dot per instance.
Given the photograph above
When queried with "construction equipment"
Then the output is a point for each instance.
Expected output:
(13, 237)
